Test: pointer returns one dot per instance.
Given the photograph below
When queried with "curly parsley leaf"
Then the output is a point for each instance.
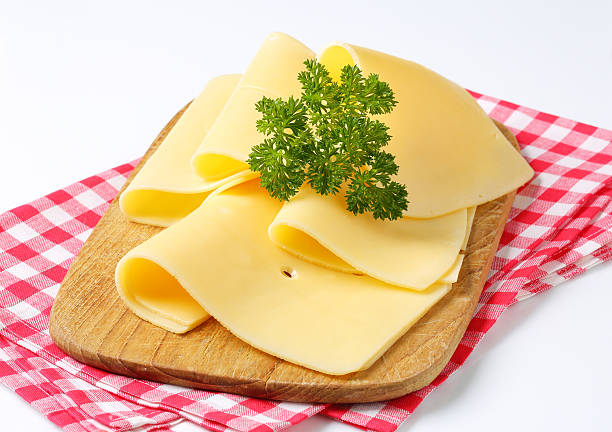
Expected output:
(328, 139)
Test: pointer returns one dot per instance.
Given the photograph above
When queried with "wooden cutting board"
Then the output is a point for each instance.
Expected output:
(90, 323)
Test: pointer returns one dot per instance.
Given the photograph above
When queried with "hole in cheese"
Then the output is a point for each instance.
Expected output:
(288, 272)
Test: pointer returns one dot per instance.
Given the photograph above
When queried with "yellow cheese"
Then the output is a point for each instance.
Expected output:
(408, 252)
(471, 212)
(272, 73)
(451, 155)
(219, 258)
(154, 295)
(453, 274)
(166, 189)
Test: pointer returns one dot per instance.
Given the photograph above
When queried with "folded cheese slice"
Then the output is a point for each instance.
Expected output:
(219, 259)
(166, 189)
(451, 155)
(272, 73)
(408, 252)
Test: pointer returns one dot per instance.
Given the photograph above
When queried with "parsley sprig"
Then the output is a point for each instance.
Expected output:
(328, 139)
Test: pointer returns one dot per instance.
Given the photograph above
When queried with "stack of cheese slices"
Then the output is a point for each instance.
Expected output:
(306, 280)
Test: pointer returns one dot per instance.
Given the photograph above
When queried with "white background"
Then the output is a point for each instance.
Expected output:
(85, 87)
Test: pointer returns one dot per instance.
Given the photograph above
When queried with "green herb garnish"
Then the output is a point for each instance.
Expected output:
(328, 139)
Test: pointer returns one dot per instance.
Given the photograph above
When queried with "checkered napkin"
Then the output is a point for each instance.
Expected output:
(560, 225)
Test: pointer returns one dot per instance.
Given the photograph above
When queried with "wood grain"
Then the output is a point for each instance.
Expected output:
(90, 323)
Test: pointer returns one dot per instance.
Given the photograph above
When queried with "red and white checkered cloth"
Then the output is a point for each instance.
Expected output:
(560, 225)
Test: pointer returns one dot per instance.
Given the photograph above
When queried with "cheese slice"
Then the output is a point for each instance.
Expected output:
(453, 274)
(272, 73)
(408, 252)
(166, 189)
(219, 258)
(451, 155)
(155, 296)
(471, 212)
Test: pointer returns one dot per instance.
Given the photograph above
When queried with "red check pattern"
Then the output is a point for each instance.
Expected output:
(67, 401)
(560, 226)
